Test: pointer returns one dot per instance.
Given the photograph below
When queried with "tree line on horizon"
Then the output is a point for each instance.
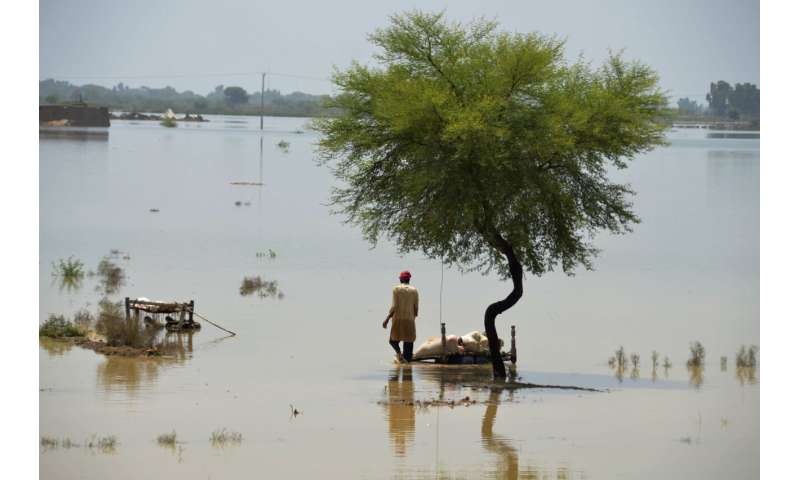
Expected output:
(222, 100)
(741, 101)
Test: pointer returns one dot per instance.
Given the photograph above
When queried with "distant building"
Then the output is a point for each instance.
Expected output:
(76, 115)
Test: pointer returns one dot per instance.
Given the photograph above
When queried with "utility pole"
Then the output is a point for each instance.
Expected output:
(263, 75)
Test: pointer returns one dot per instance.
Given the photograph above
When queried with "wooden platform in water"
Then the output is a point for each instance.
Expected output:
(177, 316)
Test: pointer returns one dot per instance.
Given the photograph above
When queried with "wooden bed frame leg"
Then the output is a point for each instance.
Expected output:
(513, 344)
(127, 308)
(444, 344)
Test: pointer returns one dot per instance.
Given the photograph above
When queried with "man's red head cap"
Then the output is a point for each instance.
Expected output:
(405, 275)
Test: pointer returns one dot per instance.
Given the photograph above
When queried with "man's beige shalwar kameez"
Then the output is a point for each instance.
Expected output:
(405, 305)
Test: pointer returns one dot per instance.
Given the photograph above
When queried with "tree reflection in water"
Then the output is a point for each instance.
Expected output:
(401, 408)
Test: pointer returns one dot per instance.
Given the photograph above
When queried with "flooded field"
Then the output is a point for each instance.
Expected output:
(306, 296)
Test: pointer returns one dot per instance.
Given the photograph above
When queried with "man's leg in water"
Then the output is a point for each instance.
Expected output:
(408, 351)
(396, 346)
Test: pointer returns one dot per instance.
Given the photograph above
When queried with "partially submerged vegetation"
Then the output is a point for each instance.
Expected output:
(56, 326)
(698, 355)
(105, 444)
(167, 439)
(264, 288)
(109, 332)
(223, 437)
(746, 357)
(169, 122)
(69, 268)
(69, 272)
(111, 275)
(283, 145)
(119, 331)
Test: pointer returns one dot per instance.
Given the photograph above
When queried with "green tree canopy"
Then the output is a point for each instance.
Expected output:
(236, 96)
(487, 149)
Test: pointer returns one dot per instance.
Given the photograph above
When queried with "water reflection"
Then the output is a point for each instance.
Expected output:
(746, 375)
(70, 284)
(399, 409)
(696, 375)
(132, 374)
(81, 134)
(54, 347)
(507, 456)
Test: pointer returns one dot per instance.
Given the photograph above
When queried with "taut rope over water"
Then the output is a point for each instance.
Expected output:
(212, 323)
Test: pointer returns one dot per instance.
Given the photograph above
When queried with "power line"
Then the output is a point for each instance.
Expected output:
(185, 75)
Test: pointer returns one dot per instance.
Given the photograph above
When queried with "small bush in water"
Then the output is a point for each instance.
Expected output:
(167, 439)
(698, 355)
(221, 437)
(112, 276)
(120, 331)
(69, 268)
(746, 357)
(57, 326)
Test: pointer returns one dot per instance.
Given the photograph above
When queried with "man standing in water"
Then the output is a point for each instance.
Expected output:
(405, 307)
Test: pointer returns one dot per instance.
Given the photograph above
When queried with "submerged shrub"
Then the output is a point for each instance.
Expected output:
(57, 326)
(635, 360)
(222, 436)
(112, 276)
(746, 357)
(167, 439)
(105, 444)
(69, 268)
(622, 361)
(120, 331)
(698, 355)
(263, 288)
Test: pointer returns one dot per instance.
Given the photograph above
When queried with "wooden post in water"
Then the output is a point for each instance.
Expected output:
(444, 344)
(513, 344)
(262, 100)
(191, 312)
(127, 308)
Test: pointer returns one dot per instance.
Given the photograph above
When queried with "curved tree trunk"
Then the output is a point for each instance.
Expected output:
(495, 309)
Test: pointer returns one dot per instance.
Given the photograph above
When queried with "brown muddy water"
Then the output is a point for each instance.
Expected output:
(689, 272)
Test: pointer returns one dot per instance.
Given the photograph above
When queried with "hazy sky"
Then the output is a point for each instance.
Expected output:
(188, 44)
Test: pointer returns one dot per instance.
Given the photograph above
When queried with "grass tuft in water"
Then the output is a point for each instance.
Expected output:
(264, 288)
(169, 122)
(106, 444)
(746, 357)
(698, 355)
(654, 359)
(622, 360)
(222, 437)
(167, 439)
(49, 442)
(69, 268)
(283, 145)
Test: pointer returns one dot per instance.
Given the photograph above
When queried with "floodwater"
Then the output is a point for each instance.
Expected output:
(690, 271)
